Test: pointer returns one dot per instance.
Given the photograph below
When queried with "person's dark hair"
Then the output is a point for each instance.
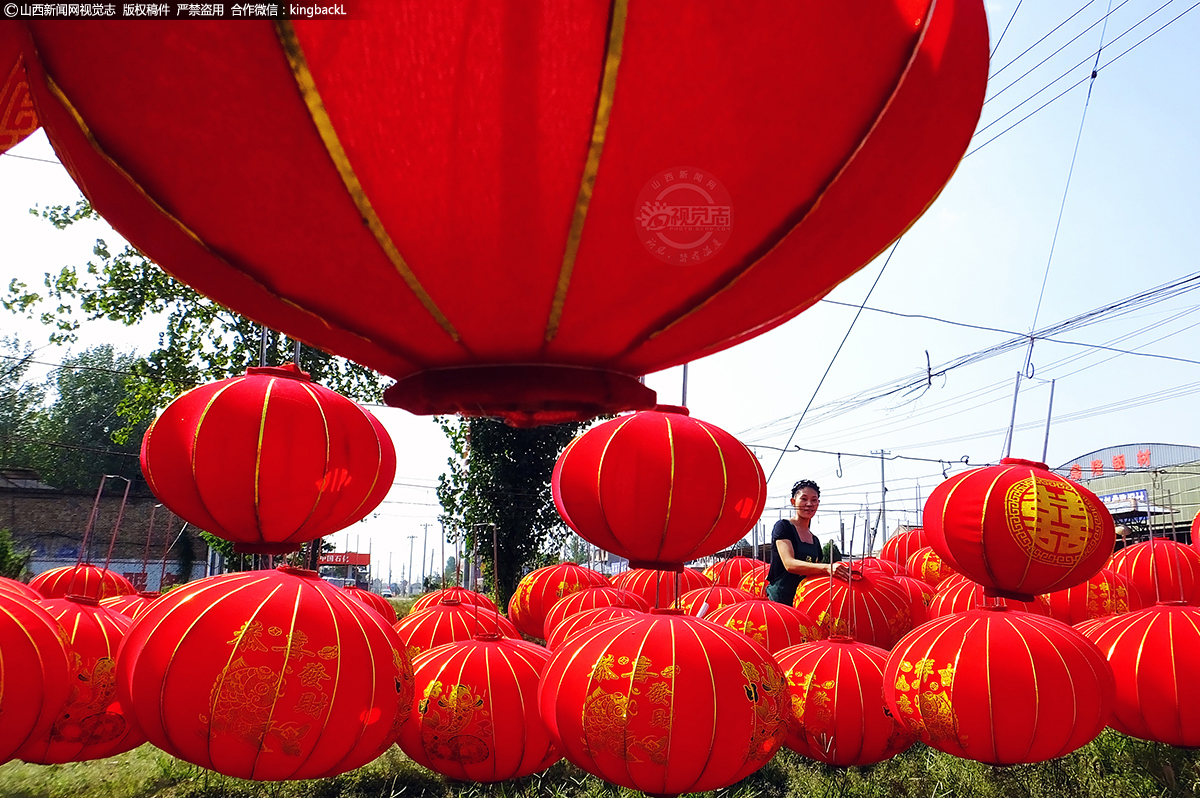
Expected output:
(805, 483)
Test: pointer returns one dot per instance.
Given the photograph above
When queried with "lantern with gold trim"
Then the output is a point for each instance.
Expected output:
(590, 598)
(755, 582)
(585, 620)
(1019, 529)
(659, 588)
(957, 593)
(17, 116)
(920, 595)
(730, 572)
(268, 460)
(130, 606)
(266, 675)
(870, 607)
(900, 546)
(35, 671)
(449, 621)
(659, 488)
(1155, 656)
(838, 715)
(880, 564)
(475, 711)
(19, 588)
(459, 594)
(375, 601)
(518, 295)
(664, 703)
(540, 590)
(91, 723)
(1160, 570)
(709, 599)
(1052, 695)
(772, 625)
(926, 565)
(91, 581)
(1105, 593)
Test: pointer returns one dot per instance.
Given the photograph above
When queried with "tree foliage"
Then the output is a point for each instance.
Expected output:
(500, 477)
(20, 405)
(14, 562)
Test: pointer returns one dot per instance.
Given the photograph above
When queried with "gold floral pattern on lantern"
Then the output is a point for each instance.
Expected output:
(766, 689)
(607, 715)
(932, 714)
(454, 724)
(85, 719)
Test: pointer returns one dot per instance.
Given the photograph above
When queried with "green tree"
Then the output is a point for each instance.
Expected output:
(500, 477)
(13, 561)
(20, 405)
(201, 340)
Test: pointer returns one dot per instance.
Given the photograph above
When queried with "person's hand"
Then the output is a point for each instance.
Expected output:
(839, 570)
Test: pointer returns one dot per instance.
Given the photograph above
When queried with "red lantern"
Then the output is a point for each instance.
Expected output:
(999, 687)
(448, 621)
(376, 602)
(920, 595)
(956, 593)
(91, 581)
(90, 723)
(590, 598)
(1155, 657)
(772, 625)
(659, 488)
(539, 590)
(883, 566)
(1196, 530)
(1160, 570)
(900, 546)
(731, 572)
(1105, 593)
(664, 703)
(585, 620)
(660, 588)
(268, 460)
(130, 606)
(266, 675)
(19, 588)
(708, 599)
(926, 565)
(35, 671)
(755, 582)
(17, 116)
(1019, 529)
(475, 712)
(872, 608)
(838, 715)
(509, 249)
(459, 594)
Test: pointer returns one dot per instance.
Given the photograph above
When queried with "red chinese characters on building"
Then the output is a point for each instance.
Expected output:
(1119, 462)
(1143, 458)
(1097, 468)
(1076, 472)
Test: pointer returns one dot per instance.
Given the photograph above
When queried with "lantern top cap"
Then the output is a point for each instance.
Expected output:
(677, 409)
(149, 594)
(488, 637)
(77, 598)
(450, 602)
(1170, 604)
(288, 371)
(300, 572)
(666, 611)
(1020, 462)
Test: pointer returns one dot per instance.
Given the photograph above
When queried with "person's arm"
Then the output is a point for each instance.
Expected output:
(801, 568)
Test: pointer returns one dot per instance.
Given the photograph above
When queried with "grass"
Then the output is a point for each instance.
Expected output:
(1113, 766)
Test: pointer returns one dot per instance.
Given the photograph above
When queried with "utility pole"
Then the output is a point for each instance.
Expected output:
(389, 570)
(882, 499)
(411, 538)
(424, 547)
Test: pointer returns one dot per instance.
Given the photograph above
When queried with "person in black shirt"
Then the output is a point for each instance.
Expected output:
(796, 553)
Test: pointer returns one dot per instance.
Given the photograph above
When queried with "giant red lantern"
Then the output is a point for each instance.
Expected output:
(920, 595)
(755, 582)
(1105, 593)
(581, 621)
(838, 715)
(266, 675)
(541, 589)
(130, 606)
(999, 687)
(475, 711)
(91, 581)
(35, 671)
(1018, 528)
(449, 621)
(19, 588)
(1155, 656)
(471, 217)
(664, 703)
(871, 607)
(459, 594)
(660, 588)
(772, 625)
(268, 460)
(374, 601)
(17, 116)
(900, 546)
(956, 593)
(659, 488)
(588, 599)
(709, 599)
(90, 723)
(730, 572)
(1160, 570)
(926, 565)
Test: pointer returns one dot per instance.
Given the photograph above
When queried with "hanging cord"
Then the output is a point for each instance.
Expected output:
(834, 358)
(82, 556)
(112, 542)
(162, 576)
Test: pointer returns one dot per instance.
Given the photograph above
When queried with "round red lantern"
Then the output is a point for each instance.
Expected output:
(266, 675)
(19, 588)
(90, 723)
(375, 601)
(999, 687)
(449, 621)
(130, 606)
(531, 298)
(1160, 570)
(540, 590)
(475, 712)
(660, 588)
(459, 594)
(730, 572)
(590, 598)
(1018, 528)
(1105, 593)
(926, 565)
(585, 620)
(35, 671)
(838, 715)
(1196, 530)
(1155, 657)
(268, 460)
(920, 595)
(871, 608)
(880, 564)
(664, 703)
(17, 116)
(772, 625)
(755, 582)
(956, 593)
(709, 599)
(91, 581)
(900, 546)
(659, 488)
